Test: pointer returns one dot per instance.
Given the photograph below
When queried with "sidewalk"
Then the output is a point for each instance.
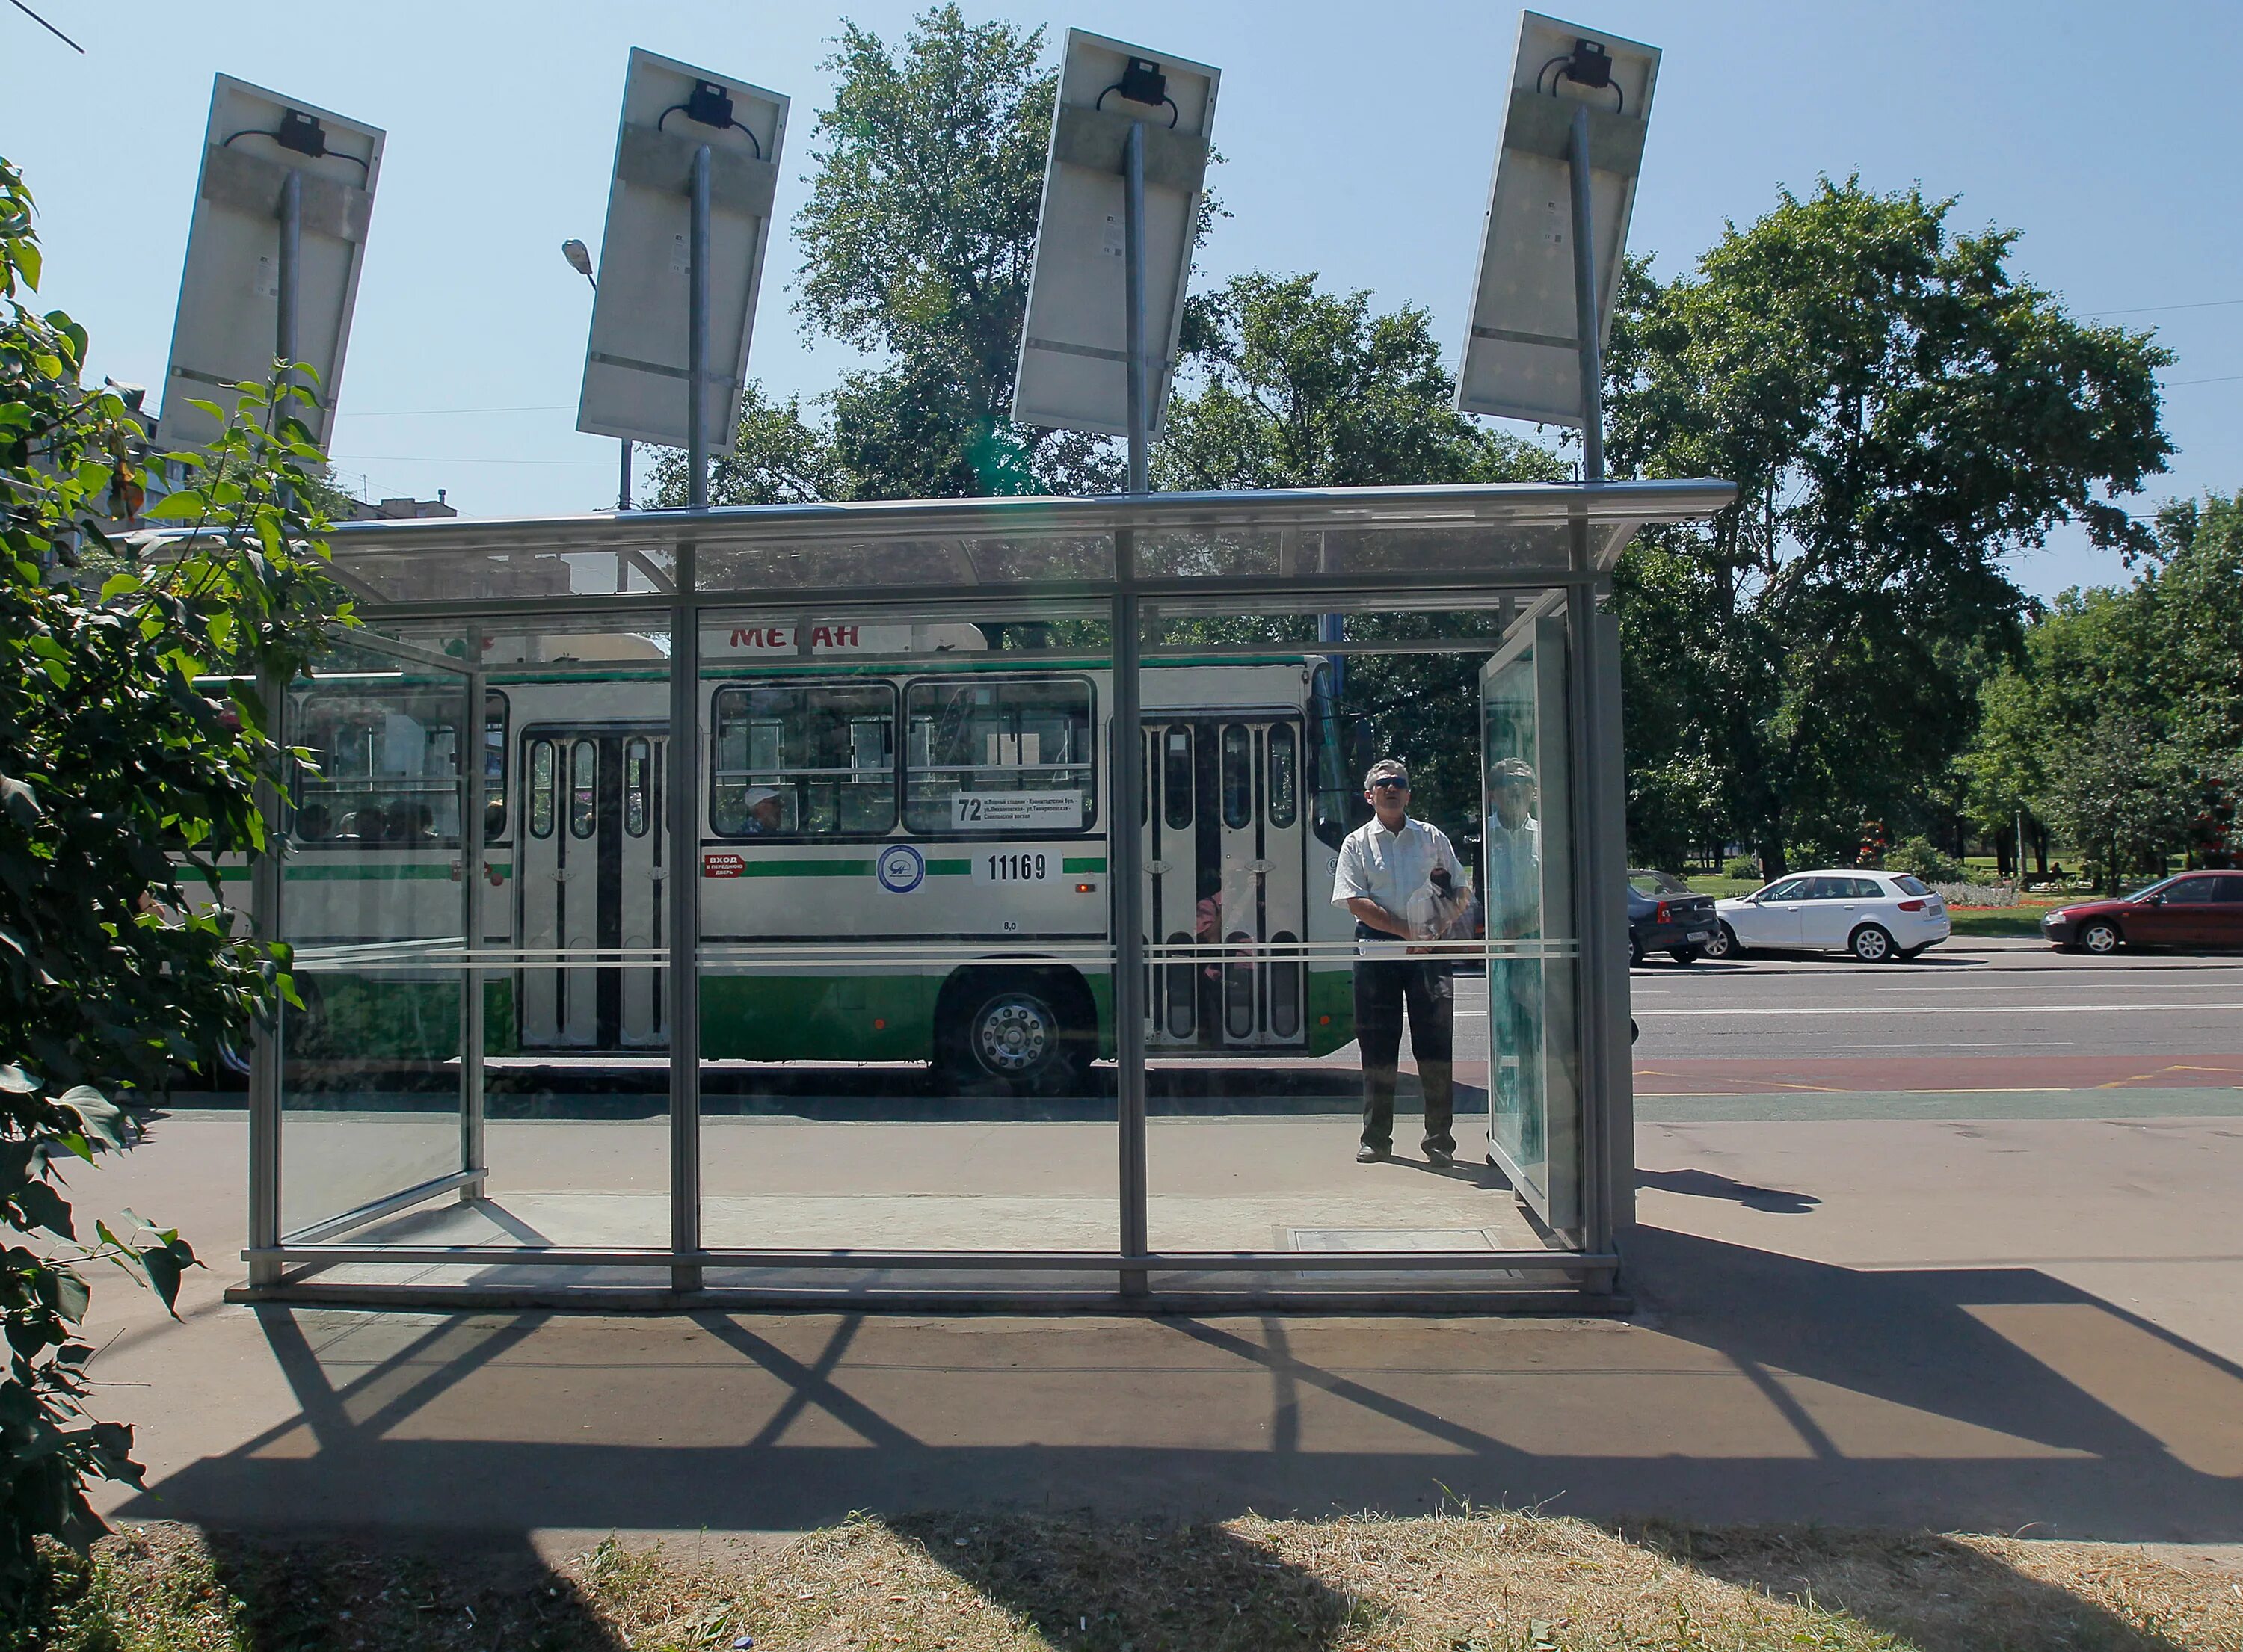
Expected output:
(1978, 1327)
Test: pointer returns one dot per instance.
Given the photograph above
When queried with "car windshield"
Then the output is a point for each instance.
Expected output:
(2148, 890)
(1657, 884)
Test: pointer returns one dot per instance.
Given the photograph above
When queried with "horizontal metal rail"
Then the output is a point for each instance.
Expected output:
(964, 1262)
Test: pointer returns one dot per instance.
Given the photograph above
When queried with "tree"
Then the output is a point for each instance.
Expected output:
(917, 243)
(1292, 386)
(2120, 720)
(133, 743)
(1900, 413)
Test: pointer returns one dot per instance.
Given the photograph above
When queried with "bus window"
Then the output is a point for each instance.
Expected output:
(638, 760)
(541, 789)
(1334, 794)
(1000, 756)
(583, 789)
(1237, 776)
(818, 760)
(388, 754)
(1284, 775)
(494, 766)
(1177, 777)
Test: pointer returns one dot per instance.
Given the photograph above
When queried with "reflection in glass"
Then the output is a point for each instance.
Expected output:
(1532, 1098)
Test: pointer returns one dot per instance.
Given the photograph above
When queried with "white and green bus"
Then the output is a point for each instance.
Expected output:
(866, 784)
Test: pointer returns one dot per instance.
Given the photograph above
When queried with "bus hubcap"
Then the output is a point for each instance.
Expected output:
(1014, 1034)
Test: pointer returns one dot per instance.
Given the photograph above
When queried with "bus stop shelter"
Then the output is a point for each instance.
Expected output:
(653, 855)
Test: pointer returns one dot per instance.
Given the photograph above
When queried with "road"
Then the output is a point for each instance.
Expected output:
(2020, 1023)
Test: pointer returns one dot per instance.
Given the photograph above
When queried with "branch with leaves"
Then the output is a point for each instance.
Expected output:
(135, 747)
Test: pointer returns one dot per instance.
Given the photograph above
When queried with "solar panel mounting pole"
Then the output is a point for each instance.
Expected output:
(1132, 190)
(684, 888)
(697, 338)
(1600, 843)
(1585, 302)
(292, 250)
(1125, 848)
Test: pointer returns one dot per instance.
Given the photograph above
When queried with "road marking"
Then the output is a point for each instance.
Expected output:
(1947, 1009)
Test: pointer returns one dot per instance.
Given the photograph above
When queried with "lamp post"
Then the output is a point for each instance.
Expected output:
(580, 259)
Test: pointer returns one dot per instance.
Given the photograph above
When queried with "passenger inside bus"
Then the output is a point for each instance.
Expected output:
(765, 808)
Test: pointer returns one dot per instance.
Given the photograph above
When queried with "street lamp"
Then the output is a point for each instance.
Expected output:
(580, 259)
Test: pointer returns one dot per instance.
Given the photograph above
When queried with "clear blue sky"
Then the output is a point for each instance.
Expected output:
(1358, 143)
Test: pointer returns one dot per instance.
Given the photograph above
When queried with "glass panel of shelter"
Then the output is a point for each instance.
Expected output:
(1254, 753)
(563, 1114)
(372, 900)
(905, 961)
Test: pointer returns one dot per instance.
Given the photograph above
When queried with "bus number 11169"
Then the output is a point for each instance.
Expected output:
(1017, 868)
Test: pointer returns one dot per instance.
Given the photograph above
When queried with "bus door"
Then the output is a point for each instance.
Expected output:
(593, 855)
(1224, 854)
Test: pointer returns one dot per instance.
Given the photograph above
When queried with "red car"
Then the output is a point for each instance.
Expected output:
(2191, 909)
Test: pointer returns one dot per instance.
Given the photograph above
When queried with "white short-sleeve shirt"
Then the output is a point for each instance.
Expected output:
(1390, 867)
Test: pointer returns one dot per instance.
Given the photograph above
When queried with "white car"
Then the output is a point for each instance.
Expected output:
(1880, 917)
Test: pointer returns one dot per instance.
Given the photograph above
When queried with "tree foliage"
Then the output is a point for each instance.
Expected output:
(2120, 720)
(133, 743)
(917, 243)
(1900, 414)
(1295, 386)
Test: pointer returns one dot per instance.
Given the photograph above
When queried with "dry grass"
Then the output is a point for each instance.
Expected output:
(1466, 1582)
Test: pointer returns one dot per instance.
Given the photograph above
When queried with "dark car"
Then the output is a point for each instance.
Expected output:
(1665, 916)
(2193, 909)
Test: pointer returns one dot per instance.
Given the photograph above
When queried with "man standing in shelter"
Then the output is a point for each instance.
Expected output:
(1382, 864)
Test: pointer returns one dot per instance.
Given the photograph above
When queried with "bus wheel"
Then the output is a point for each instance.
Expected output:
(1010, 1030)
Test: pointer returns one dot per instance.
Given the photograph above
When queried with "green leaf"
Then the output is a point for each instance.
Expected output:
(117, 584)
(15, 1081)
(99, 1116)
(19, 801)
(185, 507)
(41, 1206)
(163, 1264)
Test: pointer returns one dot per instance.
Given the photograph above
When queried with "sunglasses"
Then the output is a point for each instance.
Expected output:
(1390, 785)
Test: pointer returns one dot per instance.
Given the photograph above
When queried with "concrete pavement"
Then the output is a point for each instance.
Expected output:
(1963, 1325)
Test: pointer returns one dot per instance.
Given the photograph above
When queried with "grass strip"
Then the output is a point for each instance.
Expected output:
(1463, 1581)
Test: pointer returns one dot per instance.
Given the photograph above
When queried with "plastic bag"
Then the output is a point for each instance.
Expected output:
(1440, 910)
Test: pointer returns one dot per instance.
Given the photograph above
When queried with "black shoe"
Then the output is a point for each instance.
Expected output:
(1439, 1157)
(1367, 1154)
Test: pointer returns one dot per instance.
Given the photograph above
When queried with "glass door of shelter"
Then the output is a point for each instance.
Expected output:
(1532, 945)
(595, 856)
(1225, 877)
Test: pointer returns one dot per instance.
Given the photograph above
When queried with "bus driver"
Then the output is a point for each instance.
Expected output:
(763, 811)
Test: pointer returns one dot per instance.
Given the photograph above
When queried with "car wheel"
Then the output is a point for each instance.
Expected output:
(1872, 945)
(1722, 944)
(2101, 938)
(1686, 954)
(1635, 953)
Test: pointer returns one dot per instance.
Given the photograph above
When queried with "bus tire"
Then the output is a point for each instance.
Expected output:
(1029, 1030)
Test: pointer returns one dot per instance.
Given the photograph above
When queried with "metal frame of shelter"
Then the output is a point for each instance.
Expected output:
(1523, 549)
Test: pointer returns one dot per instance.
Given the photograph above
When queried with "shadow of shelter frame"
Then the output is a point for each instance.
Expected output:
(1537, 550)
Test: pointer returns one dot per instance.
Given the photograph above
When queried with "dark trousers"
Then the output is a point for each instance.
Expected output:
(1384, 988)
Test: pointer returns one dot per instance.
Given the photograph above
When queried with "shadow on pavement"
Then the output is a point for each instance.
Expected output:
(1758, 1388)
(1704, 1184)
